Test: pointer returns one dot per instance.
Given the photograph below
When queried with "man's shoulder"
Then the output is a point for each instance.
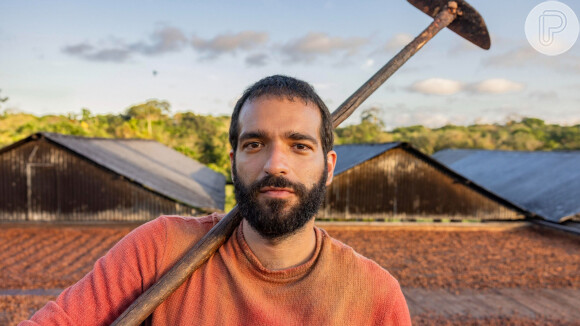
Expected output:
(173, 235)
(360, 277)
(354, 262)
(188, 226)
(205, 220)
(170, 231)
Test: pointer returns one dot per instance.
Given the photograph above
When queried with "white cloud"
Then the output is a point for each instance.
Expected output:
(427, 119)
(398, 41)
(368, 64)
(228, 43)
(462, 47)
(497, 86)
(166, 39)
(544, 95)
(437, 86)
(515, 58)
(441, 86)
(312, 45)
(78, 49)
(163, 40)
(526, 56)
(89, 52)
(257, 60)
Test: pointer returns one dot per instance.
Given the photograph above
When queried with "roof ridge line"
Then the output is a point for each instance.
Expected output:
(56, 134)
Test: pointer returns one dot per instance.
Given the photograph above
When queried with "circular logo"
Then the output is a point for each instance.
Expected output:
(552, 28)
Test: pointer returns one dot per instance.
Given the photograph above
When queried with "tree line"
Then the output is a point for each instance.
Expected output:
(205, 137)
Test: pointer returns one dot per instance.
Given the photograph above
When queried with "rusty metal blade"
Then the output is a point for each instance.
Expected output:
(469, 25)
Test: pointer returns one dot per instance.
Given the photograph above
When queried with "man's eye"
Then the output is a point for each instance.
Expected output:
(253, 145)
(302, 147)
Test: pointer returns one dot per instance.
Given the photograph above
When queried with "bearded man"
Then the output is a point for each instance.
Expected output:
(277, 268)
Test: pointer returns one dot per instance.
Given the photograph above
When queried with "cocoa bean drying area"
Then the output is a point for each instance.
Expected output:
(499, 260)
(451, 273)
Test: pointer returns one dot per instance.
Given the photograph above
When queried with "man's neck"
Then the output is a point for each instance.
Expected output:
(278, 254)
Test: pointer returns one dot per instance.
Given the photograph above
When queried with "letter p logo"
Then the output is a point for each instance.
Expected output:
(551, 22)
(552, 27)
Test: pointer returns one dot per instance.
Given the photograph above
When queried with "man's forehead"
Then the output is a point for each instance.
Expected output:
(278, 111)
(277, 108)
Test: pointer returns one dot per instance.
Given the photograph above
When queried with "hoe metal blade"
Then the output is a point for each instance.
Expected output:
(469, 24)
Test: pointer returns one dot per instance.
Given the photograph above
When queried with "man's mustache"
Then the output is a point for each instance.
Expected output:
(277, 182)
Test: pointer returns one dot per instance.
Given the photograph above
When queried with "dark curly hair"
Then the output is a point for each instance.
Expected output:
(290, 88)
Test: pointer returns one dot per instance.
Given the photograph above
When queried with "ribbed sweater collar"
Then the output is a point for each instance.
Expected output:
(283, 275)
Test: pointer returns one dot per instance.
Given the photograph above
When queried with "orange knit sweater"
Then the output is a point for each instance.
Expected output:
(336, 286)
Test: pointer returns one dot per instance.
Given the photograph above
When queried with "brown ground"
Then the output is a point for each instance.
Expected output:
(425, 257)
(474, 258)
(51, 257)
(14, 308)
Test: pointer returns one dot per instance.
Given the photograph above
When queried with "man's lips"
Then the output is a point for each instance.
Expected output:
(276, 192)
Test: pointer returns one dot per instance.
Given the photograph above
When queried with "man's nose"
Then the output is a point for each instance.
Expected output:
(277, 163)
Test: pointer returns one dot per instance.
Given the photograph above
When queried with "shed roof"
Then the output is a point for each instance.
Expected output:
(351, 155)
(545, 183)
(151, 164)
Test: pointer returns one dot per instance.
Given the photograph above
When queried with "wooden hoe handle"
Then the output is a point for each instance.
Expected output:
(141, 308)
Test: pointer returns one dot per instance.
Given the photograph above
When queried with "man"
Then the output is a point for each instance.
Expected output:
(277, 268)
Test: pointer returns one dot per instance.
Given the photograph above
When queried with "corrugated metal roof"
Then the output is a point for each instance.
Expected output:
(545, 183)
(153, 165)
(351, 155)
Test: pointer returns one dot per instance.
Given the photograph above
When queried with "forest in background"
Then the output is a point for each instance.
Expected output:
(205, 137)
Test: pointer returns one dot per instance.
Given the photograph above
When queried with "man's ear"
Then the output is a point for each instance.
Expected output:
(232, 164)
(330, 163)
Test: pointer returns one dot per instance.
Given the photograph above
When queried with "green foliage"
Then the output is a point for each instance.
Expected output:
(529, 134)
(205, 137)
(230, 198)
(200, 137)
(370, 130)
(150, 111)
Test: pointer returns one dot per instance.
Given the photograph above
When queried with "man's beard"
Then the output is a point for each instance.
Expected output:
(269, 218)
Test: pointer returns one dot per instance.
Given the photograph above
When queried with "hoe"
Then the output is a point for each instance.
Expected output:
(458, 15)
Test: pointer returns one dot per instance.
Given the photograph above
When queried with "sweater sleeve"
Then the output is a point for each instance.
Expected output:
(116, 280)
(399, 313)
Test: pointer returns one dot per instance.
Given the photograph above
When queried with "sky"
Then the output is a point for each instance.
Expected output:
(57, 57)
